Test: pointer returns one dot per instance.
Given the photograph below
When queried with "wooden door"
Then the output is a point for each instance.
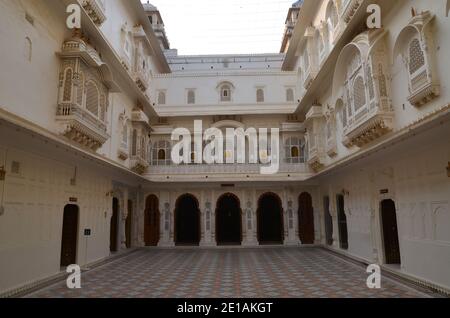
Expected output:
(114, 226)
(151, 221)
(306, 218)
(69, 235)
(128, 224)
(390, 232)
(342, 222)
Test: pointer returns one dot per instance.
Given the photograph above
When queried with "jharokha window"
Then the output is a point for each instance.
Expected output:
(160, 153)
(225, 93)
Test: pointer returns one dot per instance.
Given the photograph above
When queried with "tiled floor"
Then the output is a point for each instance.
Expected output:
(253, 273)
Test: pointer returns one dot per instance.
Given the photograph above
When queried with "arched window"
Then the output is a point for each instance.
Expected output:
(416, 57)
(161, 153)
(67, 92)
(225, 93)
(161, 98)
(359, 93)
(260, 95)
(293, 150)
(92, 98)
(80, 88)
(191, 97)
(134, 143)
(289, 95)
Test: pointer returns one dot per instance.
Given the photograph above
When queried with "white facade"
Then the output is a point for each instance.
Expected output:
(87, 116)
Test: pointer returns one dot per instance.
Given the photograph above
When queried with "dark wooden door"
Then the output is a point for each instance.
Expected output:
(114, 226)
(128, 224)
(228, 220)
(270, 220)
(342, 222)
(328, 221)
(69, 235)
(306, 218)
(151, 221)
(390, 232)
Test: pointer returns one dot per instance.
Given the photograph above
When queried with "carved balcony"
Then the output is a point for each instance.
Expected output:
(138, 116)
(123, 152)
(81, 126)
(96, 10)
(349, 9)
(142, 79)
(139, 163)
(315, 122)
(368, 126)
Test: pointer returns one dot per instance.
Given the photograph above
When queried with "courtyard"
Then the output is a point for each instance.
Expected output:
(269, 272)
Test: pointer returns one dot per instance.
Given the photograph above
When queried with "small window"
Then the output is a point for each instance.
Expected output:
(295, 152)
(289, 95)
(191, 97)
(161, 98)
(260, 95)
(225, 93)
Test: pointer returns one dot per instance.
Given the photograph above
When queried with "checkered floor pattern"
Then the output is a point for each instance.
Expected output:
(228, 273)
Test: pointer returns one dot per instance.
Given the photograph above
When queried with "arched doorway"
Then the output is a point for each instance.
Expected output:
(187, 220)
(328, 221)
(270, 219)
(69, 235)
(114, 226)
(342, 222)
(305, 218)
(390, 232)
(228, 220)
(128, 224)
(151, 221)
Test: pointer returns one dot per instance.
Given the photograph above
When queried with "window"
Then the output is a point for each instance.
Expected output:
(225, 93)
(359, 93)
(161, 98)
(191, 97)
(294, 150)
(416, 57)
(161, 153)
(260, 95)
(289, 95)
(67, 92)
(134, 143)
(92, 98)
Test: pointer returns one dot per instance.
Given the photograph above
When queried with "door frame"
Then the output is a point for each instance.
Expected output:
(299, 217)
(77, 240)
(258, 212)
(177, 202)
(158, 218)
(217, 215)
(380, 232)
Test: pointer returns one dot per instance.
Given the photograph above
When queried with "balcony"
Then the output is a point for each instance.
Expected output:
(315, 121)
(81, 126)
(232, 172)
(139, 163)
(96, 10)
(349, 9)
(368, 126)
(142, 79)
(138, 116)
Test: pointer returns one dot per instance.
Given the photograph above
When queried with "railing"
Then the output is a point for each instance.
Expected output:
(96, 10)
(84, 116)
(224, 169)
